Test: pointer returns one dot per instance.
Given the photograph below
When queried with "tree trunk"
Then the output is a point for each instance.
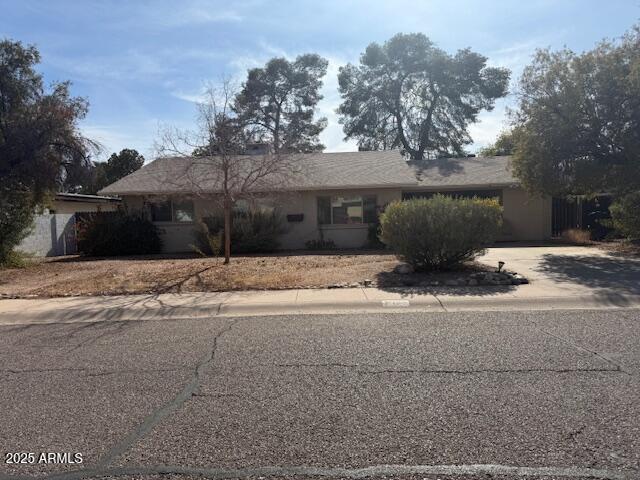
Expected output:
(227, 231)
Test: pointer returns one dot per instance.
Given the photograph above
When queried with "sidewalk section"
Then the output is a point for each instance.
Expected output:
(303, 301)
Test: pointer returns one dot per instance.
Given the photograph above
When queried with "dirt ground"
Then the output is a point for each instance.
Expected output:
(622, 247)
(156, 274)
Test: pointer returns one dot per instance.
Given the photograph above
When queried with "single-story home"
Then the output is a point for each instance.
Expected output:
(333, 195)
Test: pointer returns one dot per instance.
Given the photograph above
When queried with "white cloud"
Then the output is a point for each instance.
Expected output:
(195, 15)
(197, 96)
(130, 65)
(181, 14)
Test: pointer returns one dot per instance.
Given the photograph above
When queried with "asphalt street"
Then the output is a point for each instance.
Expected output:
(501, 395)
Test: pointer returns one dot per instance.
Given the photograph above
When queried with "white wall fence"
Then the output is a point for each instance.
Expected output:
(52, 235)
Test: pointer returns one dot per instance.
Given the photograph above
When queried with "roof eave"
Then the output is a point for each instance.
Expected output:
(469, 186)
(292, 189)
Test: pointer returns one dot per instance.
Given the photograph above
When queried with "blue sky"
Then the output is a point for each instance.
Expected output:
(141, 64)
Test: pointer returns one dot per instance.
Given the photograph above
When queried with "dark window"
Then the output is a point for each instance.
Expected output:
(324, 210)
(179, 211)
(161, 212)
(369, 208)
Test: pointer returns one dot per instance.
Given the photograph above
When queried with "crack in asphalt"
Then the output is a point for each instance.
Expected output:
(41, 370)
(491, 370)
(88, 372)
(445, 372)
(584, 349)
(342, 472)
(167, 409)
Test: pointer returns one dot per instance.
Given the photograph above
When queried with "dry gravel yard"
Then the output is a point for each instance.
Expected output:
(157, 274)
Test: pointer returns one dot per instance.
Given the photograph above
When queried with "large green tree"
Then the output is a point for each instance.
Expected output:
(579, 120)
(409, 94)
(118, 165)
(40, 143)
(278, 103)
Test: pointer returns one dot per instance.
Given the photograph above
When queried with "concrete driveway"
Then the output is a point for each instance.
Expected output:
(570, 270)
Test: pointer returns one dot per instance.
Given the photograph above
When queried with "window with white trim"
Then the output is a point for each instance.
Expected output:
(347, 210)
(178, 211)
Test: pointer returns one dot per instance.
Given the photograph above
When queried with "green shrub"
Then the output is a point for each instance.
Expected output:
(17, 259)
(211, 242)
(117, 233)
(625, 214)
(440, 232)
(251, 232)
(320, 244)
(373, 237)
(16, 219)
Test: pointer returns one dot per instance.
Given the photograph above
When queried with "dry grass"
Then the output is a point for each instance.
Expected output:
(113, 276)
(577, 236)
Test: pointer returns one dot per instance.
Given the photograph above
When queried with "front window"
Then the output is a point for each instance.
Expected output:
(183, 211)
(179, 211)
(347, 210)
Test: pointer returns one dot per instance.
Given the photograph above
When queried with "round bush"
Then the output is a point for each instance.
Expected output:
(625, 214)
(440, 232)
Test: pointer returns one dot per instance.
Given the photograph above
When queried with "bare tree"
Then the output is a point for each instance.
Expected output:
(218, 166)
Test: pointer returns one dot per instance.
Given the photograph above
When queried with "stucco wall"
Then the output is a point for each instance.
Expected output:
(344, 236)
(178, 237)
(526, 218)
(51, 235)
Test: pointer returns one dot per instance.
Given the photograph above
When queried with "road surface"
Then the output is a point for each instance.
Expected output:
(549, 394)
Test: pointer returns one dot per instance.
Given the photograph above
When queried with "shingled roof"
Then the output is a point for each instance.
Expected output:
(324, 171)
(465, 172)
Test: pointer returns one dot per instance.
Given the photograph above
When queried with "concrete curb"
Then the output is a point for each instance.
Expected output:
(424, 303)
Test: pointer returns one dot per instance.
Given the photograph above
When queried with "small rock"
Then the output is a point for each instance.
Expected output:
(434, 283)
(354, 285)
(472, 282)
(522, 280)
(403, 269)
